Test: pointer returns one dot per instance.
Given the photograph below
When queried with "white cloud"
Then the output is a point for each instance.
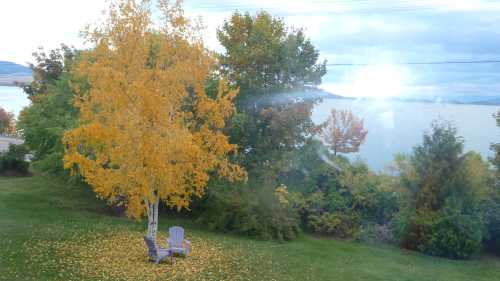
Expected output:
(344, 31)
(211, 21)
(27, 24)
(466, 5)
(343, 7)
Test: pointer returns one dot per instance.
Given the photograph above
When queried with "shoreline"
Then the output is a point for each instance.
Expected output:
(15, 80)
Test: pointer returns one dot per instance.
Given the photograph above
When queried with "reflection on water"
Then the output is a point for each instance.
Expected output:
(397, 126)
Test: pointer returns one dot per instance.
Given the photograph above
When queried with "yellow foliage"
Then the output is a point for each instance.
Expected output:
(121, 254)
(281, 192)
(147, 127)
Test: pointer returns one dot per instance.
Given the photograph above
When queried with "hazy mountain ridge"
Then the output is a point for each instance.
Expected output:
(12, 74)
(472, 99)
(10, 68)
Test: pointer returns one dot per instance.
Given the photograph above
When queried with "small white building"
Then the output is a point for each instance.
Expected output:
(5, 141)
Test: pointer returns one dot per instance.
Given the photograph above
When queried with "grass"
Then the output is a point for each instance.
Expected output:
(51, 230)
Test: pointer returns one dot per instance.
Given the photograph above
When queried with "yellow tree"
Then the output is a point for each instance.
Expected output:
(148, 130)
(342, 131)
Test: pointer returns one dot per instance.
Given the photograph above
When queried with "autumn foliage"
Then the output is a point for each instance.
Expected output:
(7, 125)
(148, 130)
(342, 132)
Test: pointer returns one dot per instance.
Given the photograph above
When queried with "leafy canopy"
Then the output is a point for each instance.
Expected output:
(52, 112)
(436, 162)
(445, 190)
(48, 69)
(263, 57)
(148, 130)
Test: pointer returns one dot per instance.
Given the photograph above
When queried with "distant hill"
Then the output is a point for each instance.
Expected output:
(490, 101)
(12, 74)
(306, 94)
(486, 99)
(478, 100)
(7, 67)
(315, 92)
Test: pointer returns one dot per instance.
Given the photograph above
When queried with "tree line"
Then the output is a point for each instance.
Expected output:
(151, 120)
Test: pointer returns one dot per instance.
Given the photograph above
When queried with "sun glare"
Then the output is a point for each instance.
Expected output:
(377, 81)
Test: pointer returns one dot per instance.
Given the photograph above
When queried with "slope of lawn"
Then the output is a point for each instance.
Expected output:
(52, 230)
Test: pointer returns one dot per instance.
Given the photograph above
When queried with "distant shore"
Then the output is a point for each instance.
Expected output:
(15, 80)
(491, 101)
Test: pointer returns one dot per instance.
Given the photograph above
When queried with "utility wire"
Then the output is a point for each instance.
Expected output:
(355, 7)
(362, 7)
(420, 63)
(373, 3)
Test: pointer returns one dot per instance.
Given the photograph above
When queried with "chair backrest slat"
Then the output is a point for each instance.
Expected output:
(176, 234)
(152, 247)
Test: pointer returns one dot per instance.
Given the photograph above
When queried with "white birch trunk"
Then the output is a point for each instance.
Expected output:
(153, 218)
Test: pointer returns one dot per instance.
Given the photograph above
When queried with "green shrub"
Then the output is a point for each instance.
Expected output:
(328, 215)
(400, 225)
(339, 225)
(51, 163)
(456, 236)
(377, 206)
(443, 189)
(376, 233)
(256, 212)
(491, 208)
(12, 161)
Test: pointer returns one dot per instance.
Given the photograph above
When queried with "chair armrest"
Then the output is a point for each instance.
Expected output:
(188, 246)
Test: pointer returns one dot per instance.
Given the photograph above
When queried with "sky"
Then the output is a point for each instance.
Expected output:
(381, 33)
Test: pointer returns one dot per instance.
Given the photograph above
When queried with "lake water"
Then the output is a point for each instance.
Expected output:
(392, 126)
(13, 99)
(398, 126)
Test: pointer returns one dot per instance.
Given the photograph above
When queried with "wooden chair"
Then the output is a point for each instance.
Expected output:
(155, 252)
(176, 242)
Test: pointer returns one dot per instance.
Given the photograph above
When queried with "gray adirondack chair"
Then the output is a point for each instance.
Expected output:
(176, 242)
(156, 253)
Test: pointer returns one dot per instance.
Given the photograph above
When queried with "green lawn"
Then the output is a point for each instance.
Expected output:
(39, 214)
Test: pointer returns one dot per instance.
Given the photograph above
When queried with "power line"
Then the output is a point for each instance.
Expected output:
(309, 3)
(356, 6)
(358, 10)
(421, 63)
(363, 6)
(372, 3)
